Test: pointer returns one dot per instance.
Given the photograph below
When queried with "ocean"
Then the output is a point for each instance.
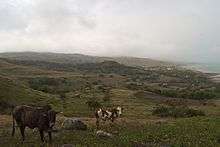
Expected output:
(204, 67)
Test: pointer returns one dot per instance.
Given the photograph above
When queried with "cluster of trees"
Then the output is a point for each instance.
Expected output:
(188, 76)
(187, 94)
(109, 67)
(176, 112)
(197, 95)
(51, 85)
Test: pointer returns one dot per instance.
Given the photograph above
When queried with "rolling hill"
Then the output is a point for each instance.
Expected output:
(13, 93)
(70, 82)
(79, 58)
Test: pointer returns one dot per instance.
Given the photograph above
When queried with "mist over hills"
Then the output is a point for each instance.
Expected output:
(80, 58)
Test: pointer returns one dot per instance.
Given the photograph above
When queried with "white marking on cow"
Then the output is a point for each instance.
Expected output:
(119, 110)
(100, 113)
(111, 114)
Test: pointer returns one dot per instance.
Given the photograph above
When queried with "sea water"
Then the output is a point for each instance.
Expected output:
(204, 67)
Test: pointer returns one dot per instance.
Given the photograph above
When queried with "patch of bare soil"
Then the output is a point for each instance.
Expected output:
(5, 120)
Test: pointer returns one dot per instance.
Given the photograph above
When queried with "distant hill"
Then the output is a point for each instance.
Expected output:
(79, 58)
(67, 80)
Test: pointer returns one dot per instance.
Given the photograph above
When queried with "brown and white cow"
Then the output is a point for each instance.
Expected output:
(43, 118)
(109, 114)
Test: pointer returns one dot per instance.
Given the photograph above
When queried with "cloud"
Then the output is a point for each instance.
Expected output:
(181, 30)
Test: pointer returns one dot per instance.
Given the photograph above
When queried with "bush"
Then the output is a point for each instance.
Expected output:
(93, 104)
(53, 85)
(169, 93)
(187, 94)
(165, 111)
(5, 106)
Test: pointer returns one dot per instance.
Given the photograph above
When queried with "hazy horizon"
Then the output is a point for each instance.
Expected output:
(183, 31)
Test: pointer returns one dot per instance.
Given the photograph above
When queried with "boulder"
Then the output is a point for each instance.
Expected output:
(103, 134)
(73, 124)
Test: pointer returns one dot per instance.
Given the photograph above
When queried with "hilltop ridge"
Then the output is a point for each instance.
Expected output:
(80, 58)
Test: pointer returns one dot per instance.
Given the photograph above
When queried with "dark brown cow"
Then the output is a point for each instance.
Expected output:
(43, 118)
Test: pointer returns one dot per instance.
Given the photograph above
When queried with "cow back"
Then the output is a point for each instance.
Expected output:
(29, 116)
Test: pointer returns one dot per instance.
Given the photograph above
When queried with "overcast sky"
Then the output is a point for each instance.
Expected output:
(184, 30)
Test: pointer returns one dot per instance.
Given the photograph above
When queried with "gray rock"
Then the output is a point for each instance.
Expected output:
(103, 134)
(73, 124)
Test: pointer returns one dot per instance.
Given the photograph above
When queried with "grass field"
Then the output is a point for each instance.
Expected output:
(137, 127)
(111, 84)
(201, 131)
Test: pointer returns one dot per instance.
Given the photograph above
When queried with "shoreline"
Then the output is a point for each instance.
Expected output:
(200, 69)
(213, 75)
(215, 78)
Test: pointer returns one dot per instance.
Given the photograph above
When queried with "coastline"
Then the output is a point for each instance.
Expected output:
(215, 78)
(214, 75)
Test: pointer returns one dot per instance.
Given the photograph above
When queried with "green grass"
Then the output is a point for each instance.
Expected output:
(176, 112)
(191, 132)
(14, 93)
(136, 127)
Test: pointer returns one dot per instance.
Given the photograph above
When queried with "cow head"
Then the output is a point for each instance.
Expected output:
(119, 110)
(51, 117)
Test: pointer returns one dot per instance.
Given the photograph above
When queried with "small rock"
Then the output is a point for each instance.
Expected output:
(73, 124)
(103, 134)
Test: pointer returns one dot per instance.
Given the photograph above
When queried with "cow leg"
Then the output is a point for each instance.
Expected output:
(50, 136)
(42, 135)
(112, 120)
(22, 128)
(97, 123)
(13, 132)
(13, 126)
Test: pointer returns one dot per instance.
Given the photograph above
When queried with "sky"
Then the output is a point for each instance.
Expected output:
(177, 30)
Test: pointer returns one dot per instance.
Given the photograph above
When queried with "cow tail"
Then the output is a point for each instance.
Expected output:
(13, 124)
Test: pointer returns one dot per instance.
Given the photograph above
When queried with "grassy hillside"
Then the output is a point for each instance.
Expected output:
(13, 93)
(201, 131)
(186, 102)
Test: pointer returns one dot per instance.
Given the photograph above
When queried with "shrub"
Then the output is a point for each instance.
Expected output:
(93, 104)
(169, 93)
(5, 106)
(53, 85)
(187, 94)
(165, 111)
